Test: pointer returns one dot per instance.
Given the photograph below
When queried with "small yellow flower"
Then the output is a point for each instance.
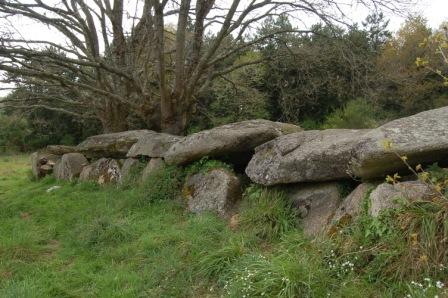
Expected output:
(420, 62)
(423, 258)
(418, 167)
(387, 144)
(414, 239)
(389, 179)
(425, 176)
(404, 158)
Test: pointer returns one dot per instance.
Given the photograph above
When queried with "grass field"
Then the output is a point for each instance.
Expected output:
(84, 240)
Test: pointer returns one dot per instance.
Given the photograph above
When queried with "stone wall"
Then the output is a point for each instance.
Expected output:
(308, 165)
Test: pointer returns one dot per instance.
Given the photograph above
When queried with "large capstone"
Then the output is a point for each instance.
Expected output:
(60, 149)
(69, 166)
(217, 191)
(112, 145)
(234, 139)
(422, 138)
(102, 171)
(152, 144)
(306, 156)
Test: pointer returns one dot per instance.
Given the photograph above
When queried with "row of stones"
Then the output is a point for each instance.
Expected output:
(283, 155)
(75, 165)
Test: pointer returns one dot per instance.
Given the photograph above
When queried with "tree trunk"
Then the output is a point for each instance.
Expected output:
(174, 115)
(115, 118)
(173, 119)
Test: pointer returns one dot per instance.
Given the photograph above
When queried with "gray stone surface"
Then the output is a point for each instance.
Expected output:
(217, 191)
(127, 169)
(69, 166)
(385, 196)
(42, 163)
(152, 144)
(240, 137)
(153, 166)
(104, 170)
(60, 149)
(112, 145)
(316, 204)
(304, 157)
(423, 138)
(351, 207)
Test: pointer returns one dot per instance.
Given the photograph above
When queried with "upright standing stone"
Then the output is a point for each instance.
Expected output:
(69, 166)
(102, 171)
(130, 166)
(386, 196)
(351, 207)
(154, 165)
(316, 205)
(42, 163)
(216, 191)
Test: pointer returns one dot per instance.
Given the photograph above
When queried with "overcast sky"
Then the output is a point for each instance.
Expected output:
(435, 11)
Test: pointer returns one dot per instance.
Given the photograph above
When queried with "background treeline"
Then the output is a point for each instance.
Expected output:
(333, 78)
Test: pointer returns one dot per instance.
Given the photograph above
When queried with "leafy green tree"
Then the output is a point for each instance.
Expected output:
(437, 60)
(357, 113)
(234, 96)
(307, 76)
(13, 133)
(404, 87)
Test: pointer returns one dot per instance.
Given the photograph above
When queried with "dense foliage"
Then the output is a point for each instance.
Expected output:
(358, 77)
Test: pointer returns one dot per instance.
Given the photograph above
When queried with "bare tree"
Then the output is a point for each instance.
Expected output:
(118, 60)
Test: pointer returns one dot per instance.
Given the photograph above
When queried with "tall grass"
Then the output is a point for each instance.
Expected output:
(86, 240)
(267, 213)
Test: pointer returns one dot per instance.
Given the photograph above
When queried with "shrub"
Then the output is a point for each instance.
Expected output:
(204, 165)
(355, 114)
(13, 133)
(310, 124)
(267, 213)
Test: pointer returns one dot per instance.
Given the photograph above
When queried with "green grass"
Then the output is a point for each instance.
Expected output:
(85, 240)
(82, 240)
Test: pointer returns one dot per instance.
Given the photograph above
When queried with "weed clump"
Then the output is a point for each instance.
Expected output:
(213, 264)
(204, 165)
(134, 176)
(290, 272)
(163, 184)
(267, 213)
(405, 243)
(104, 231)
